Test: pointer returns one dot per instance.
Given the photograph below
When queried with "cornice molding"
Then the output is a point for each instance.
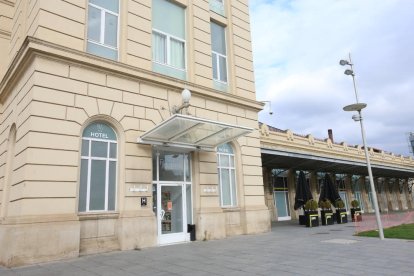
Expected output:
(9, 3)
(279, 141)
(34, 46)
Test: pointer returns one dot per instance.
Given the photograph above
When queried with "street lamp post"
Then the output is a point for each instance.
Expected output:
(358, 107)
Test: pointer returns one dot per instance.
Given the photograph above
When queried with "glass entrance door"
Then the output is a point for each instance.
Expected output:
(172, 196)
(281, 195)
(282, 204)
(172, 217)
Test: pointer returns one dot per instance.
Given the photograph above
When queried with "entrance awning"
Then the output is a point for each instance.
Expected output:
(194, 133)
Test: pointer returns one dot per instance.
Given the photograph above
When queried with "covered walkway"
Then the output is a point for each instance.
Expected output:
(285, 153)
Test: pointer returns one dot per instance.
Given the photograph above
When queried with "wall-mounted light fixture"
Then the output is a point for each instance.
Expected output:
(269, 104)
(186, 96)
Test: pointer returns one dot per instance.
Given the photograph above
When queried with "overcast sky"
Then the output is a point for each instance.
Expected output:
(297, 46)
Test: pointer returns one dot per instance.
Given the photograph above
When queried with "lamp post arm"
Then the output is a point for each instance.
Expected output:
(353, 78)
(371, 180)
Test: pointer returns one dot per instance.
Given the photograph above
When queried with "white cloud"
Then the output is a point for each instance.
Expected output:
(297, 45)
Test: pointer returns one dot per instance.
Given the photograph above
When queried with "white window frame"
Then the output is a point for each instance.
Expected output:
(167, 50)
(108, 159)
(218, 55)
(233, 201)
(101, 41)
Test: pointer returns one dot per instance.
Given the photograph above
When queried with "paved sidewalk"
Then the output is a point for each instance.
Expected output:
(289, 249)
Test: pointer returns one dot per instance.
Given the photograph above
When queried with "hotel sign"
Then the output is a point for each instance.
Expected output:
(99, 130)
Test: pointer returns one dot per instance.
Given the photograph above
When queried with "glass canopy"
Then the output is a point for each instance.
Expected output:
(191, 132)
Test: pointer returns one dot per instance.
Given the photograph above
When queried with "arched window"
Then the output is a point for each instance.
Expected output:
(97, 191)
(227, 175)
(8, 172)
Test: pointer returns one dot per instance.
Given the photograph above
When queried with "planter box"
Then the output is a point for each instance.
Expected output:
(312, 218)
(302, 220)
(341, 216)
(356, 214)
(327, 217)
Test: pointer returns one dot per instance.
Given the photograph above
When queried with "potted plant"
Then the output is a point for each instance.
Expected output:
(341, 215)
(356, 211)
(311, 213)
(326, 212)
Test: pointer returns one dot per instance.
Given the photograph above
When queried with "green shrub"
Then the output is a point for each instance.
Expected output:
(339, 204)
(311, 205)
(325, 204)
(355, 203)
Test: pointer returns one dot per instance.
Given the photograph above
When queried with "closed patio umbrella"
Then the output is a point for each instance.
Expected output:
(303, 192)
(329, 190)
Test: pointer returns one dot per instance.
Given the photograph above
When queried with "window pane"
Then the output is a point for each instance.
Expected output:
(177, 54)
(85, 148)
(218, 42)
(154, 198)
(154, 166)
(223, 68)
(101, 51)
(233, 187)
(97, 189)
(281, 203)
(168, 18)
(215, 66)
(94, 24)
(231, 161)
(217, 6)
(225, 148)
(111, 30)
(159, 48)
(83, 185)
(112, 150)
(189, 205)
(111, 5)
(99, 149)
(111, 185)
(225, 187)
(187, 167)
(171, 167)
(224, 160)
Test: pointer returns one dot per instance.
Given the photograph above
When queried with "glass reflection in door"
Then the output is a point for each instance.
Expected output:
(171, 209)
(281, 194)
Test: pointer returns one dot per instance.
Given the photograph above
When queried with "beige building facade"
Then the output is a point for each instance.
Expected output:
(101, 150)
(82, 83)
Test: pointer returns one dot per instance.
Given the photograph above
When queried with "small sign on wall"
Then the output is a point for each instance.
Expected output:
(143, 201)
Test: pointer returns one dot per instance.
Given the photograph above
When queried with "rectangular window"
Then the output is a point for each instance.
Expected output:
(218, 55)
(168, 38)
(227, 176)
(103, 28)
(217, 6)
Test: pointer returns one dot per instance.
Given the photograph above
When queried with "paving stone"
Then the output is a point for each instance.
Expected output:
(289, 249)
